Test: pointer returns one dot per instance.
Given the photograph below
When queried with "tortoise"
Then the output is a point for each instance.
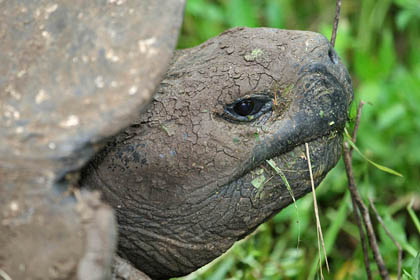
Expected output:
(200, 167)
(231, 112)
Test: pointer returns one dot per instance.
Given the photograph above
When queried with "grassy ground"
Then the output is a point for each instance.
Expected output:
(380, 43)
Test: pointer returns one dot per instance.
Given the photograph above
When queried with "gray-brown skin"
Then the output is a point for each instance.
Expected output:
(183, 177)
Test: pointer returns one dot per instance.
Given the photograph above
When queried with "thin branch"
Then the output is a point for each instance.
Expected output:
(379, 218)
(362, 238)
(353, 200)
(318, 223)
(364, 211)
(357, 121)
(336, 20)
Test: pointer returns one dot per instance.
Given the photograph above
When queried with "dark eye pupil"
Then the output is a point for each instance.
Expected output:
(244, 107)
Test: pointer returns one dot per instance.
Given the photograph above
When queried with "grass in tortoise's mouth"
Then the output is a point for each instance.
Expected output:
(319, 143)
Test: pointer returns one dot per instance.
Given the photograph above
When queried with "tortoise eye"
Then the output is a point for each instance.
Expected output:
(244, 107)
(248, 109)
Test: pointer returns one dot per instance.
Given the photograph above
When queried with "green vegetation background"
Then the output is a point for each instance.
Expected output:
(379, 41)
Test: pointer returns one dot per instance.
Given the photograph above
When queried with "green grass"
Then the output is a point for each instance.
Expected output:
(379, 42)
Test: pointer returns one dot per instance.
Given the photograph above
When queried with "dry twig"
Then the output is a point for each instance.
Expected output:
(364, 211)
(336, 19)
(362, 239)
(4, 275)
(357, 122)
(358, 204)
(379, 218)
(356, 211)
(318, 224)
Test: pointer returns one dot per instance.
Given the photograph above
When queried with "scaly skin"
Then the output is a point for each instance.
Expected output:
(181, 177)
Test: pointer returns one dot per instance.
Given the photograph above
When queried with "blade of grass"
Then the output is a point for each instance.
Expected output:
(318, 223)
(284, 179)
(407, 275)
(332, 231)
(413, 215)
(380, 167)
(4, 275)
(408, 248)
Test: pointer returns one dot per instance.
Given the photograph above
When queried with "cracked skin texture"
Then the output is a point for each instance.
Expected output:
(183, 178)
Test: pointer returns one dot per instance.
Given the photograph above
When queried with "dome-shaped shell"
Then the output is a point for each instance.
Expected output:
(71, 74)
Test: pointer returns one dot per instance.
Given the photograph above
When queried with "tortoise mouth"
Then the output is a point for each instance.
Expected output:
(268, 182)
(324, 151)
(323, 156)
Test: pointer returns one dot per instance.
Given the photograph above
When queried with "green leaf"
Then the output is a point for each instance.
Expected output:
(380, 167)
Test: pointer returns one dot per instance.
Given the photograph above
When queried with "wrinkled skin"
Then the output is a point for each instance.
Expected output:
(183, 178)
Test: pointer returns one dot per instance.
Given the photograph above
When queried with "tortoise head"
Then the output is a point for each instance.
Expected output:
(209, 160)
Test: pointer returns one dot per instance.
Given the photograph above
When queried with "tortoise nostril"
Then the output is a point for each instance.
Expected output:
(332, 55)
